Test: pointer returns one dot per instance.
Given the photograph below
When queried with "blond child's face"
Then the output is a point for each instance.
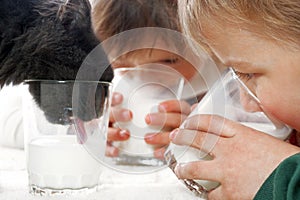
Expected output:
(269, 69)
(156, 56)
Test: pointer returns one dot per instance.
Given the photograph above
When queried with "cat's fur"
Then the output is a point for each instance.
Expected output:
(46, 39)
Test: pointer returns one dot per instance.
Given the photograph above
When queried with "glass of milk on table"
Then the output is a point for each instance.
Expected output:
(231, 98)
(143, 88)
(59, 118)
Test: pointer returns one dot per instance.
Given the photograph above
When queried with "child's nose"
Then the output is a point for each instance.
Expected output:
(249, 103)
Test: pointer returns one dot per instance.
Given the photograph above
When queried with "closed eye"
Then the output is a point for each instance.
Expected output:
(243, 76)
(169, 61)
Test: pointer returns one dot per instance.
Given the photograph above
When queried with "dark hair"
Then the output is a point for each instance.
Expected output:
(44, 39)
(111, 17)
(50, 39)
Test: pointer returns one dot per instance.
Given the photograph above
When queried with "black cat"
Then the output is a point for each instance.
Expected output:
(50, 39)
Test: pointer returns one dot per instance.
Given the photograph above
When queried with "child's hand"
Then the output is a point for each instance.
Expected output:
(243, 158)
(117, 134)
(171, 114)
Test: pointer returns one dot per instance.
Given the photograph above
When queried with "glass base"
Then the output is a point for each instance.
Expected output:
(138, 160)
(36, 190)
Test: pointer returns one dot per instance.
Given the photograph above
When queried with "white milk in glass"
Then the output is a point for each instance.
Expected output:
(143, 89)
(224, 99)
(141, 103)
(138, 128)
(186, 154)
(60, 162)
(270, 129)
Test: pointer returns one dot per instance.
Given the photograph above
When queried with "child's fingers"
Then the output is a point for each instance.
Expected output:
(200, 140)
(199, 170)
(161, 138)
(111, 151)
(213, 124)
(116, 134)
(117, 98)
(120, 115)
(175, 106)
(159, 153)
(172, 120)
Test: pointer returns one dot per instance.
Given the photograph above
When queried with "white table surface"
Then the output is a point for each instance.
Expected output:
(160, 185)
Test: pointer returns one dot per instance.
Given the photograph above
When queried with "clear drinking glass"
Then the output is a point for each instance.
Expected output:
(229, 97)
(143, 88)
(59, 117)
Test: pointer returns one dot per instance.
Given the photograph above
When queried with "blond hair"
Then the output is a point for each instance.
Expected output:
(275, 19)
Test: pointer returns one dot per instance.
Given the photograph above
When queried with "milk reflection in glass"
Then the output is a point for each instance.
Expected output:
(143, 89)
(57, 129)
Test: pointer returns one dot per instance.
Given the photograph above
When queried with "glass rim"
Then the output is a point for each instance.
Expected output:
(274, 120)
(123, 69)
(235, 76)
(66, 81)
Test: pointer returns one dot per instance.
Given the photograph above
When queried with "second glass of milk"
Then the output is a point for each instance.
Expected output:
(143, 88)
(230, 98)
(60, 119)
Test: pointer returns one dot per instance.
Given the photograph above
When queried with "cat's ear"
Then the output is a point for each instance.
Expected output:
(75, 13)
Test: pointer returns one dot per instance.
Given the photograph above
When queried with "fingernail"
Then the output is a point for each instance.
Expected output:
(148, 119)
(173, 134)
(162, 108)
(113, 152)
(177, 170)
(117, 97)
(124, 133)
(127, 114)
(159, 153)
(149, 136)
